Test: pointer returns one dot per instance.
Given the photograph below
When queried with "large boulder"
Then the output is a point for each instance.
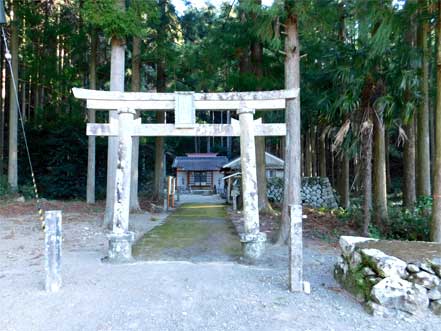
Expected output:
(399, 294)
(384, 265)
(381, 311)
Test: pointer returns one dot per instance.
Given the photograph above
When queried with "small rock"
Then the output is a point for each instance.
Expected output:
(412, 268)
(348, 244)
(368, 272)
(435, 306)
(436, 266)
(373, 280)
(425, 279)
(355, 260)
(426, 267)
(435, 293)
(20, 199)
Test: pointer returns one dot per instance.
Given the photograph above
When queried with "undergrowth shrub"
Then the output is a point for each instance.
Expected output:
(4, 186)
(410, 224)
(403, 224)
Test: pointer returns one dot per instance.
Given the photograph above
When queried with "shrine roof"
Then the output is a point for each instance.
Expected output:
(199, 162)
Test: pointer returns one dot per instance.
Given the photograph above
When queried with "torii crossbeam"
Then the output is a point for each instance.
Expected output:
(185, 105)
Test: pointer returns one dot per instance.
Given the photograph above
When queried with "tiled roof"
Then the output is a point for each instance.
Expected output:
(204, 163)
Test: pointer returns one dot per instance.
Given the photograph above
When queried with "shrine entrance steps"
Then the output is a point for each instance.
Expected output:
(195, 232)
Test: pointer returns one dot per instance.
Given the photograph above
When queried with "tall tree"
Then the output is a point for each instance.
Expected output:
(136, 87)
(409, 188)
(161, 77)
(423, 131)
(13, 103)
(257, 70)
(380, 187)
(91, 155)
(435, 231)
(2, 109)
(292, 173)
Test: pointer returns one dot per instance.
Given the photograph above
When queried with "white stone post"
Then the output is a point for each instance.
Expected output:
(52, 240)
(253, 241)
(120, 240)
(295, 249)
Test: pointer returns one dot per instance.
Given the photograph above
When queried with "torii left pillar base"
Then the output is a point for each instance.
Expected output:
(120, 248)
(253, 247)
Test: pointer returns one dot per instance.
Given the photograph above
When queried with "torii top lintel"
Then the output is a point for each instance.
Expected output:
(112, 100)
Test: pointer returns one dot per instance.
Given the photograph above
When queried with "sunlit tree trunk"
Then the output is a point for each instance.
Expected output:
(409, 191)
(322, 168)
(423, 132)
(159, 179)
(409, 188)
(159, 141)
(308, 154)
(367, 174)
(292, 177)
(380, 192)
(2, 108)
(13, 110)
(91, 155)
(435, 231)
(136, 86)
(257, 68)
(312, 132)
(387, 156)
(343, 180)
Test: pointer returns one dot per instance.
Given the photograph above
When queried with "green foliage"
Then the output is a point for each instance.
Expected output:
(115, 21)
(4, 186)
(27, 191)
(59, 155)
(410, 224)
(403, 223)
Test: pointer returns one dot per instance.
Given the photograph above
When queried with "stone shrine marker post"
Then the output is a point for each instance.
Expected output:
(185, 105)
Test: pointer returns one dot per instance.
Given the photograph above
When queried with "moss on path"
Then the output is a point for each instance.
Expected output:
(194, 232)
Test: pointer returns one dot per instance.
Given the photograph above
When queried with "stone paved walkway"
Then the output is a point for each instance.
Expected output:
(196, 232)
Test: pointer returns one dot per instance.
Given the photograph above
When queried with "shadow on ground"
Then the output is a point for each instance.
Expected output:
(194, 232)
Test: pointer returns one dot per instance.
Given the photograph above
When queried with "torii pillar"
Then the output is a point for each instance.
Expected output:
(121, 239)
(253, 241)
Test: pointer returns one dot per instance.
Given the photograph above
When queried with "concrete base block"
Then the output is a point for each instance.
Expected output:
(253, 246)
(120, 248)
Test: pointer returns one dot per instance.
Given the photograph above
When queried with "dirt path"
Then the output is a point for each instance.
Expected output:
(194, 232)
(170, 295)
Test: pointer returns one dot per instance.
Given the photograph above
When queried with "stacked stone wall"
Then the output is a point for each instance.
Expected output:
(387, 285)
(316, 192)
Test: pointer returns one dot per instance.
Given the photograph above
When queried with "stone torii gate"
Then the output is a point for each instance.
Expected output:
(185, 105)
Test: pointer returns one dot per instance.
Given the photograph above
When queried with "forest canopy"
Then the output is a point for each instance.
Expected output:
(370, 100)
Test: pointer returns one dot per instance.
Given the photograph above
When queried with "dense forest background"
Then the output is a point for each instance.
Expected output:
(368, 93)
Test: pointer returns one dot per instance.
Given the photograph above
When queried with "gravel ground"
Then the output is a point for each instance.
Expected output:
(171, 295)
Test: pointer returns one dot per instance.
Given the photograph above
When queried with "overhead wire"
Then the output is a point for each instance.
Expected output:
(8, 58)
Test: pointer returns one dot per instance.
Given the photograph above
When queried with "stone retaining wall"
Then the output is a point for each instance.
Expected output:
(316, 192)
(391, 278)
